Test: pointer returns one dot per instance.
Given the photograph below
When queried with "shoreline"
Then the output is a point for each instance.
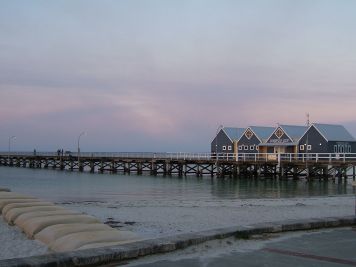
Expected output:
(160, 220)
(116, 254)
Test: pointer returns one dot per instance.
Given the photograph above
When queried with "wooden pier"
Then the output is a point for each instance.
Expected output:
(310, 166)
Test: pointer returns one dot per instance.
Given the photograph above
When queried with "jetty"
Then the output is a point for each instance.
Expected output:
(220, 165)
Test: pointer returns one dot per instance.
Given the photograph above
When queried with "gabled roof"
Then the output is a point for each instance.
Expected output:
(233, 133)
(333, 132)
(294, 131)
(262, 132)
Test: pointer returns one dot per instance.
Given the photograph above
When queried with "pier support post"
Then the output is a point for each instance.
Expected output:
(197, 171)
(154, 168)
(325, 173)
(234, 171)
(101, 166)
(113, 167)
(139, 168)
(61, 164)
(180, 169)
(92, 168)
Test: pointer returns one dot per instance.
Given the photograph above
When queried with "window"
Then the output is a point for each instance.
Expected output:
(224, 147)
(335, 149)
(252, 147)
(301, 147)
(257, 148)
(349, 149)
(309, 147)
(229, 148)
(342, 149)
(240, 147)
(246, 147)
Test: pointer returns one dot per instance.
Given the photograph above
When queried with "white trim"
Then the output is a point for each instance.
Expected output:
(224, 148)
(252, 147)
(249, 131)
(216, 135)
(227, 135)
(309, 147)
(240, 147)
(279, 126)
(320, 132)
(312, 125)
(287, 134)
(249, 127)
(301, 147)
(229, 147)
(257, 148)
(245, 147)
(221, 129)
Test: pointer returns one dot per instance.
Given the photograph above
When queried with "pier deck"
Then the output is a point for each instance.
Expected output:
(188, 164)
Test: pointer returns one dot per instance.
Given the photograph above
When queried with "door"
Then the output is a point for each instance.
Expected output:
(279, 149)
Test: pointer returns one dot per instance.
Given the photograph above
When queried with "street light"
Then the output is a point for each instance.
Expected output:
(81, 134)
(10, 138)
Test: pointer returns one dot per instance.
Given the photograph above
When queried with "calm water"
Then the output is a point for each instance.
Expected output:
(73, 186)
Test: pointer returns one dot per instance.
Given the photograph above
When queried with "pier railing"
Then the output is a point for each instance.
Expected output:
(251, 157)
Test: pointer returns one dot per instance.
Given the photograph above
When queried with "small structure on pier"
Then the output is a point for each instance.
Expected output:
(226, 140)
(284, 139)
(251, 139)
(327, 138)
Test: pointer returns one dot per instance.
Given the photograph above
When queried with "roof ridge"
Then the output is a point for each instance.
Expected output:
(318, 123)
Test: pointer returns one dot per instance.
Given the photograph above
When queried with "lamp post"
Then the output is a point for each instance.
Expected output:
(10, 138)
(81, 134)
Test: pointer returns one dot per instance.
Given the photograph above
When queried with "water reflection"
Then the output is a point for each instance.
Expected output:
(273, 188)
(65, 186)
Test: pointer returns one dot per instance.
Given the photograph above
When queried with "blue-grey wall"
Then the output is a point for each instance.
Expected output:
(320, 145)
(244, 141)
(222, 140)
(315, 139)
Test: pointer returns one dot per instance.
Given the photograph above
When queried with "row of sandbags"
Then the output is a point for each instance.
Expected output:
(4, 189)
(59, 228)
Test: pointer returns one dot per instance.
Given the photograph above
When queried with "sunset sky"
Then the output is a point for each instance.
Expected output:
(162, 75)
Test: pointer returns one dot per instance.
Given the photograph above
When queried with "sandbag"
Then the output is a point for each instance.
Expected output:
(74, 241)
(35, 225)
(12, 215)
(9, 207)
(20, 217)
(52, 233)
(6, 201)
(4, 189)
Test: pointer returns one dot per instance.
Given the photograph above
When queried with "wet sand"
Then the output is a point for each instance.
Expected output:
(157, 218)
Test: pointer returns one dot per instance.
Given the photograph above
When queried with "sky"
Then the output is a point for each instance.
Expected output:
(162, 75)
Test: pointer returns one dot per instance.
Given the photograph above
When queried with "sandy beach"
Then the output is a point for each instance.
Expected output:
(156, 219)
